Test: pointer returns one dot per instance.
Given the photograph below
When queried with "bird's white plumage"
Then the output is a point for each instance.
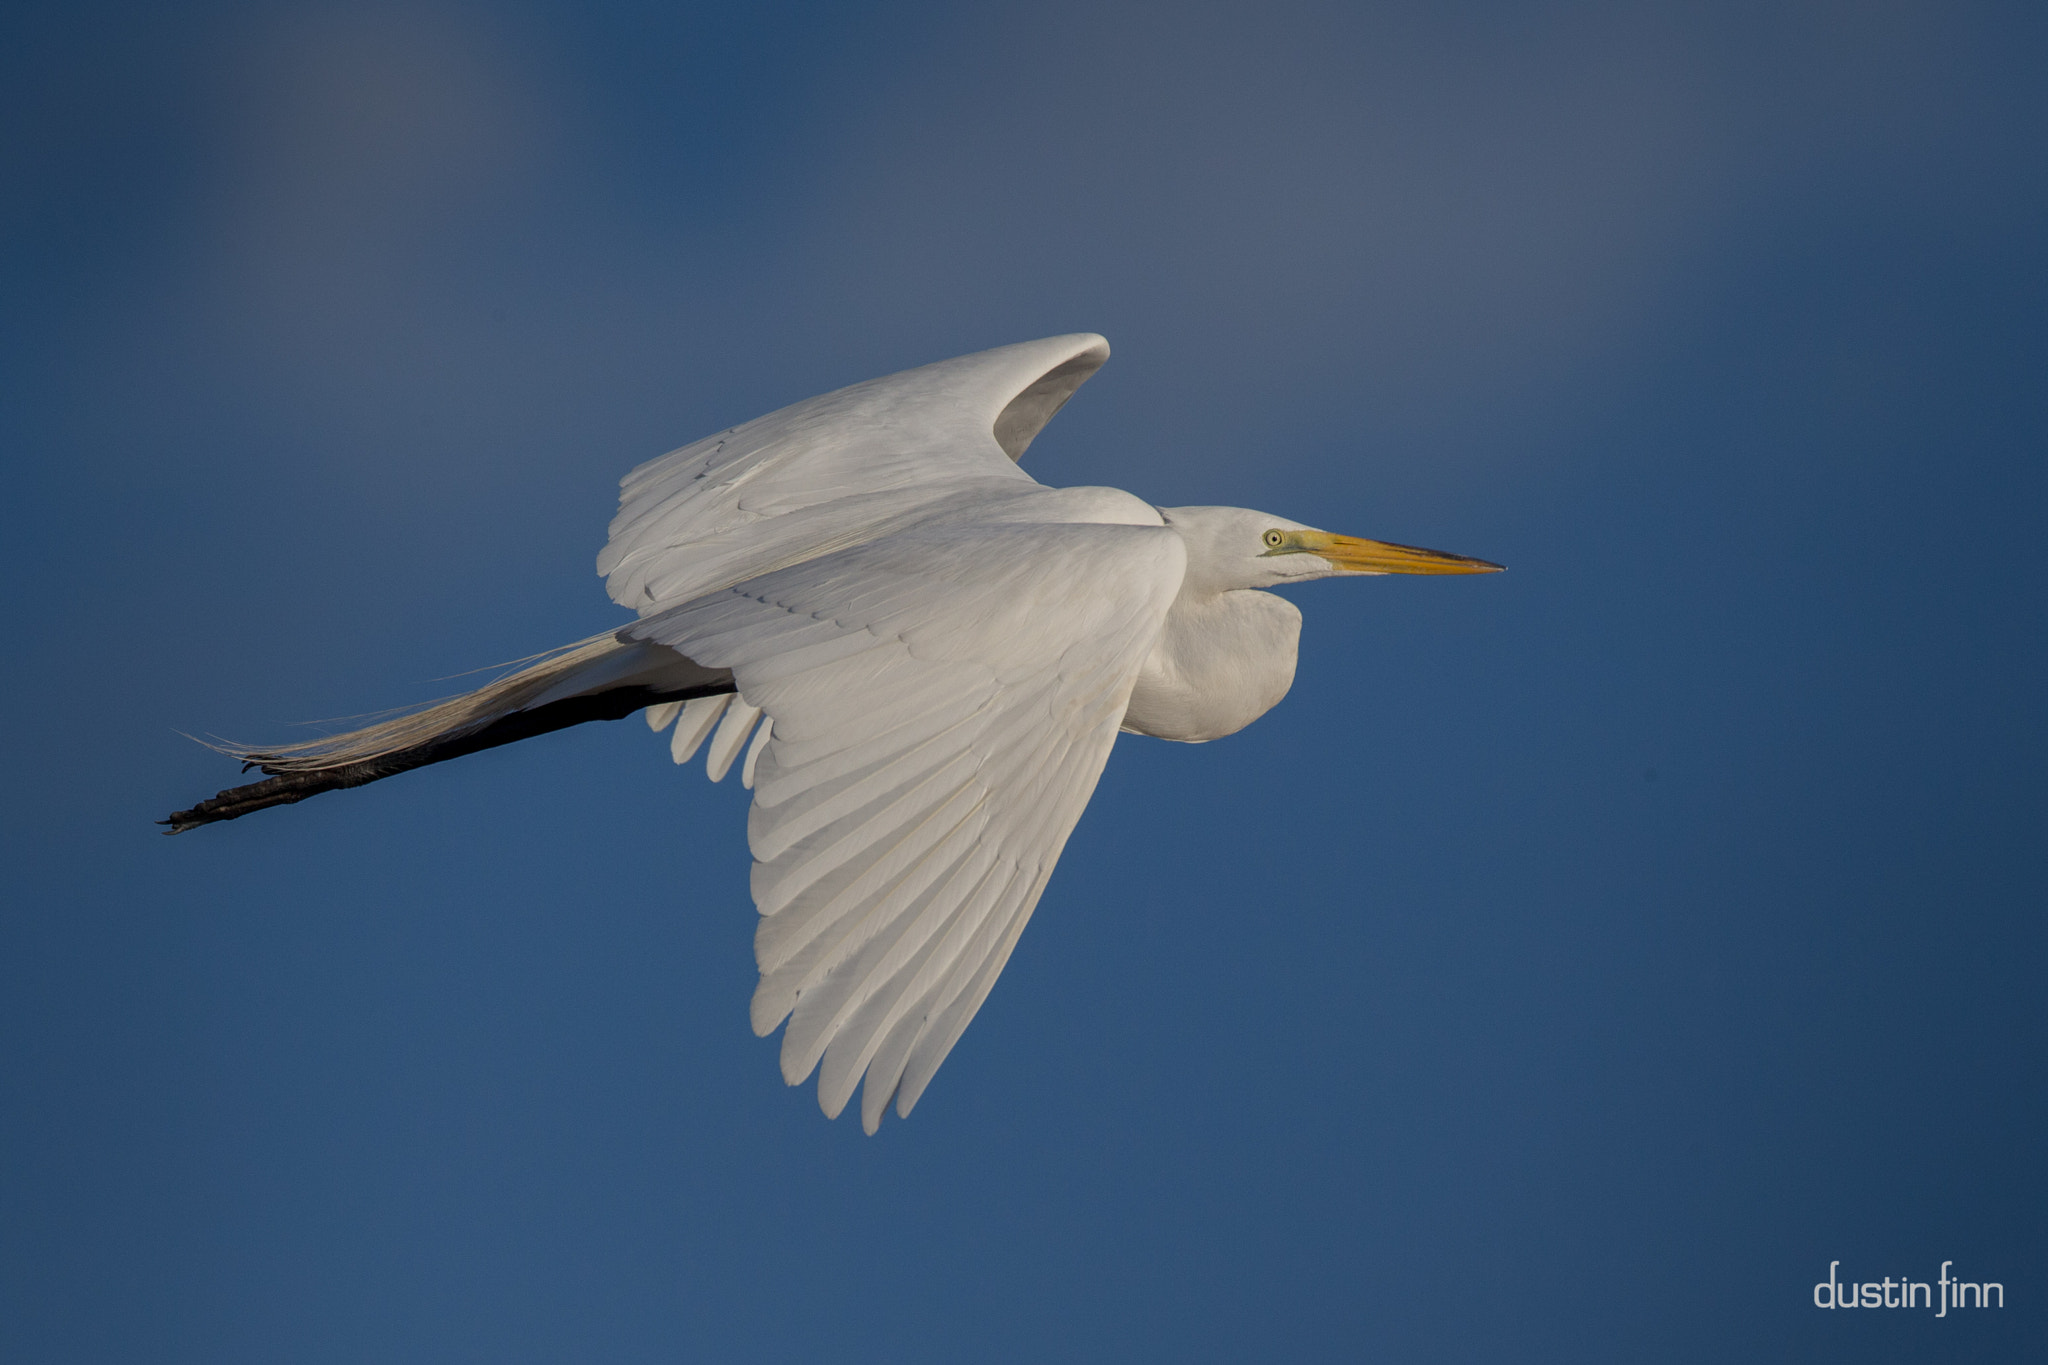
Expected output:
(836, 470)
(932, 655)
(940, 651)
(732, 733)
(693, 723)
(942, 701)
(943, 649)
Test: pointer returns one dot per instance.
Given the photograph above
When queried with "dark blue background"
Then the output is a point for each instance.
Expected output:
(1577, 962)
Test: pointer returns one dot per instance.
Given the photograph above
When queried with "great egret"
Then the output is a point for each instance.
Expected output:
(939, 651)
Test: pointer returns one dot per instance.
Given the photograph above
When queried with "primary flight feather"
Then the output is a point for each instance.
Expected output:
(920, 658)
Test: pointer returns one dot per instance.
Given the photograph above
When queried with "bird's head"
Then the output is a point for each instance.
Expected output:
(1235, 547)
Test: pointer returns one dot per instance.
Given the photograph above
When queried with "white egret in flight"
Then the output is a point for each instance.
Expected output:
(932, 654)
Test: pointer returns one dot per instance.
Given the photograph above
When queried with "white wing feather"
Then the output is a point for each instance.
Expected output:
(940, 704)
(694, 722)
(836, 470)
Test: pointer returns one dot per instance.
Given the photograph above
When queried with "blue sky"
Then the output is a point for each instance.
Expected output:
(1572, 967)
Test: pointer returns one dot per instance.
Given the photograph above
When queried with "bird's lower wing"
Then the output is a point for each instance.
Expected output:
(940, 707)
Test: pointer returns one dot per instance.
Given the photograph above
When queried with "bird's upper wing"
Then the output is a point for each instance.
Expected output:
(835, 470)
(942, 703)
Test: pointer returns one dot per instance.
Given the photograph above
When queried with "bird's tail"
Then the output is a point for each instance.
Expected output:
(601, 678)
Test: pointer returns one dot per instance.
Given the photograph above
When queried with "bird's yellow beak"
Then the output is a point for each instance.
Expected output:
(1354, 555)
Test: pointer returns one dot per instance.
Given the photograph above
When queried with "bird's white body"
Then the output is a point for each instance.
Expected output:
(920, 658)
(1191, 691)
(1225, 653)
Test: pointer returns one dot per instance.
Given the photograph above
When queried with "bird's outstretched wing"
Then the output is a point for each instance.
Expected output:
(941, 703)
(834, 470)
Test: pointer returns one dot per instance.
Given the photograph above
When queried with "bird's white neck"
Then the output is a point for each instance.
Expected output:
(1223, 660)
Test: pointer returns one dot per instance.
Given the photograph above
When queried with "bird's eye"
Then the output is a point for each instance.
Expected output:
(1274, 539)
